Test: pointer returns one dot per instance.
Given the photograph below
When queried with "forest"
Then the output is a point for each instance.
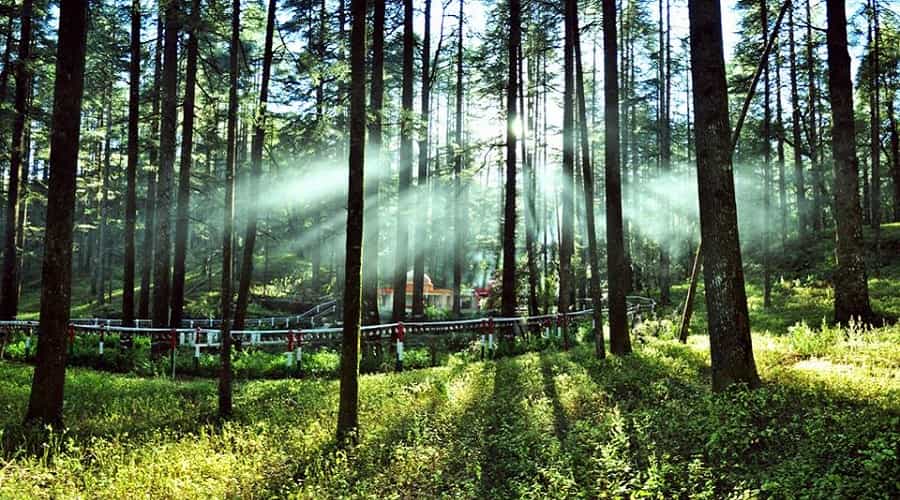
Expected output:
(399, 249)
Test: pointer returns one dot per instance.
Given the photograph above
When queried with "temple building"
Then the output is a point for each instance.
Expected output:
(441, 298)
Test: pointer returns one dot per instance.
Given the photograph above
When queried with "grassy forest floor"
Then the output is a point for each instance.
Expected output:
(825, 424)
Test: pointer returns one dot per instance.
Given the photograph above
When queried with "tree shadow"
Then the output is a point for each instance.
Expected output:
(560, 420)
(803, 433)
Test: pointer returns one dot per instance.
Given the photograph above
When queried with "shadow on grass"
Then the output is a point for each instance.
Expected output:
(788, 436)
(104, 405)
(500, 459)
(560, 420)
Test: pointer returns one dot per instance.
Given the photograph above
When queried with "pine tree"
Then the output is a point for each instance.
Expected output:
(726, 301)
(458, 216)
(184, 179)
(225, 375)
(375, 167)
(9, 293)
(508, 303)
(851, 290)
(619, 341)
(348, 410)
(256, 152)
(165, 182)
(45, 405)
(420, 241)
(134, 97)
(406, 128)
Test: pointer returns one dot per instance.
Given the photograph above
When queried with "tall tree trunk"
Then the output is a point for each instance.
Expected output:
(529, 186)
(508, 299)
(45, 405)
(779, 127)
(256, 153)
(184, 175)
(726, 300)
(803, 215)
(150, 201)
(617, 275)
(104, 205)
(817, 213)
(567, 195)
(134, 105)
(406, 130)
(22, 219)
(895, 157)
(9, 296)
(587, 172)
(225, 375)
(371, 314)
(875, 129)
(458, 209)
(419, 241)
(4, 92)
(319, 215)
(348, 411)
(165, 186)
(665, 279)
(767, 163)
(851, 291)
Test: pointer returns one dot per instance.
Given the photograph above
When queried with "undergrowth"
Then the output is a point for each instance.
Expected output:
(826, 423)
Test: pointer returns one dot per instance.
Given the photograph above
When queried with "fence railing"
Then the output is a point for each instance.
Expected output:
(487, 330)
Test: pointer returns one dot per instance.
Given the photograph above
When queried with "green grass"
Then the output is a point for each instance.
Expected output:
(825, 424)
(548, 424)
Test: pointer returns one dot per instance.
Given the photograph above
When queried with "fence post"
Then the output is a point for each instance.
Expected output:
(102, 334)
(288, 355)
(173, 345)
(491, 337)
(298, 353)
(196, 347)
(400, 333)
(71, 332)
(483, 328)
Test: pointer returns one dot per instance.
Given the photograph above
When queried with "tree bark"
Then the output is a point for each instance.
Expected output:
(767, 163)
(419, 242)
(165, 186)
(875, 131)
(529, 187)
(406, 129)
(371, 315)
(851, 290)
(587, 173)
(184, 177)
(509, 291)
(225, 375)
(256, 153)
(726, 300)
(458, 208)
(779, 127)
(9, 296)
(665, 278)
(348, 419)
(617, 275)
(567, 193)
(134, 104)
(45, 405)
(150, 202)
(817, 213)
(803, 215)
(895, 157)
(102, 253)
